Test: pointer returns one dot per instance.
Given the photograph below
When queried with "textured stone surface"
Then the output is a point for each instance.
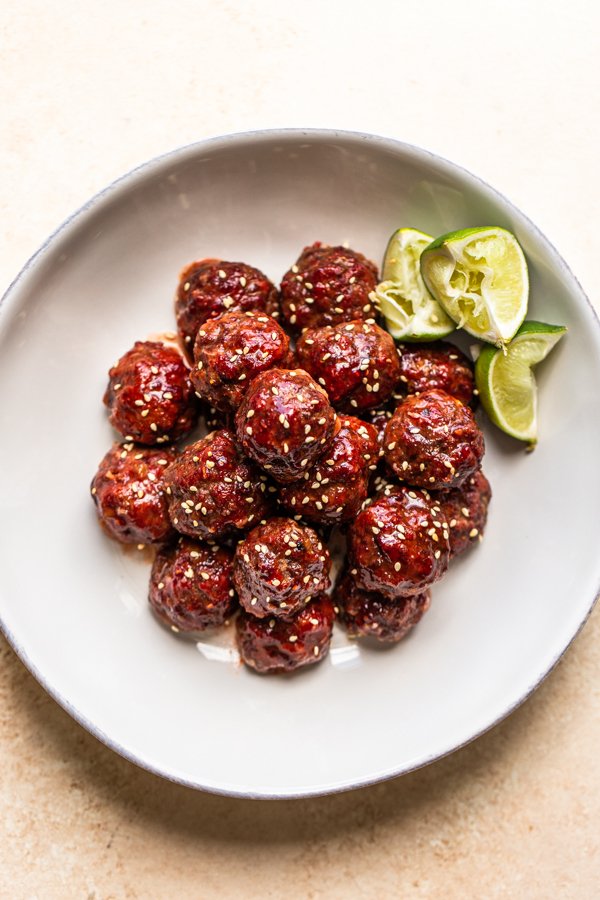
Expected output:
(91, 91)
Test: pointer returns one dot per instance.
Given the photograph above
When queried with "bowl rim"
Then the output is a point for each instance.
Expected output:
(257, 136)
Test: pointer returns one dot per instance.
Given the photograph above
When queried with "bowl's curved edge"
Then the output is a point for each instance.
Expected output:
(144, 169)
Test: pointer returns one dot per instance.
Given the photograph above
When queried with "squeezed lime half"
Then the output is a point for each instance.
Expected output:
(479, 276)
(410, 312)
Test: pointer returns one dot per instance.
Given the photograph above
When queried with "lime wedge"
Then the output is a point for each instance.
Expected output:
(506, 383)
(479, 276)
(411, 313)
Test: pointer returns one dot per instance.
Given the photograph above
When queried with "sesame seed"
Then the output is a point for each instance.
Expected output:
(391, 446)
(139, 403)
(153, 426)
(222, 274)
(248, 430)
(397, 567)
(316, 651)
(473, 532)
(243, 281)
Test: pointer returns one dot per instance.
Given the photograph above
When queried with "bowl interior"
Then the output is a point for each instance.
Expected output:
(74, 603)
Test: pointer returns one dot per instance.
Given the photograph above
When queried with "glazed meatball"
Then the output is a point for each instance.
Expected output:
(397, 546)
(282, 645)
(191, 587)
(279, 567)
(213, 491)
(439, 366)
(285, 422)
(357, 363)
(327, 285)
(128, 490)
(232, 350)
(465, 509)
(149, 395)
(368, 614)
(334, 490)
(433, 441)
(211, 287)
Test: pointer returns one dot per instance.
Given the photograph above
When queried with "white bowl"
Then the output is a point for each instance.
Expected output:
(73, 603)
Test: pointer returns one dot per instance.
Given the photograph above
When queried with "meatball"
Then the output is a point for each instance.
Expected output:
(279, 567)
(282, 645)
(465, 509)
(285, 422)
(232, 350)
(150, 396)
(327, 285)
(438, 365)
(368, 614)
(211, 287)
(357, 363)
(398, 546)
(190, 586)
(433, 440)
(128, 490)
(213, 491)
(334, 490)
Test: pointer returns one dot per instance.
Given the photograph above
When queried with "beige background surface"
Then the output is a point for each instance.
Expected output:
(90, 90)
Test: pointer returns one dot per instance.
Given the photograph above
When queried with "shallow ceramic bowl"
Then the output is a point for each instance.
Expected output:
(73, 604)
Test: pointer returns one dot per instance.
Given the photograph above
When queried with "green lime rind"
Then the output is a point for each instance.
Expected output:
(411, 313)
(480, 278)
(506, 383)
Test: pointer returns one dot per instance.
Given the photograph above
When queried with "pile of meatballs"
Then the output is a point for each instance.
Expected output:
(317, 421)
